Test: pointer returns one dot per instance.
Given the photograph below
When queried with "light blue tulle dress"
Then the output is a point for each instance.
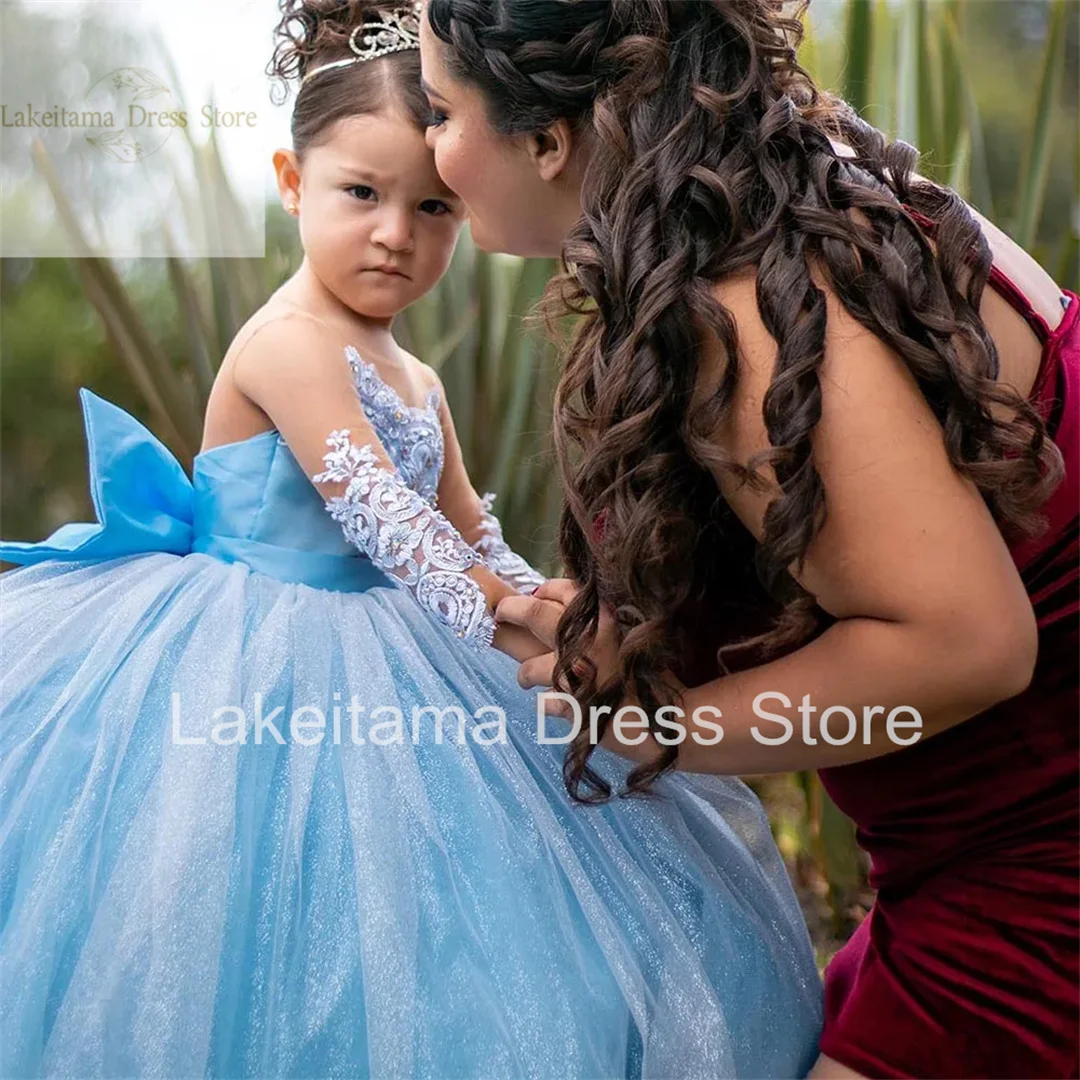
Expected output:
(175, 904)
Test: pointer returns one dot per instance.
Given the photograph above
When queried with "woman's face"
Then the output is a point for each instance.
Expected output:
(511, 206)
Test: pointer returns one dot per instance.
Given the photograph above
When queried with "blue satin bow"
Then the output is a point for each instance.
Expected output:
(142, 497)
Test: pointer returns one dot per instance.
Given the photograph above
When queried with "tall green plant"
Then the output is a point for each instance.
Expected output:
(1035, 164)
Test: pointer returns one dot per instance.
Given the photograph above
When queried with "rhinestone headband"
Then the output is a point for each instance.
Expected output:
(395, 31)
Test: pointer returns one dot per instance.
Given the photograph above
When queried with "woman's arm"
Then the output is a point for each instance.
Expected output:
(931, 610)
(861, 664)
(297, 373)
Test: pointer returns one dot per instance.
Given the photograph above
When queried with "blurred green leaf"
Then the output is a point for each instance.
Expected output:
(860, 36)
(1037, 157)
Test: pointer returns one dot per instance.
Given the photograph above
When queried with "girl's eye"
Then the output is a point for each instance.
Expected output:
(436, 119)
(361, 191)
(435, 207)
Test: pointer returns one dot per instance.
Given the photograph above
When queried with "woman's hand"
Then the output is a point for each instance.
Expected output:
(539, 614)
(517, 642)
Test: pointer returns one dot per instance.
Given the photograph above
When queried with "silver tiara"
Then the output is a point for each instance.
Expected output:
(395, 31)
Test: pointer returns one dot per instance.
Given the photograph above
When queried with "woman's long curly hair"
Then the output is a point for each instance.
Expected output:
(709, 151)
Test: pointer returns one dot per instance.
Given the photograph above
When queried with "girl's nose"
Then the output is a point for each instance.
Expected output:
(393, 229)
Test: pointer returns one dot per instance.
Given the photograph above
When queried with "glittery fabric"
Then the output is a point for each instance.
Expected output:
(176, 902)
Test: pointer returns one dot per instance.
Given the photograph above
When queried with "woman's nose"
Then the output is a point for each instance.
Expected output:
(393, 229)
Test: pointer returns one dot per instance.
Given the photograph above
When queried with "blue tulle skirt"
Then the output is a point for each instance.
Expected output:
(198, 877)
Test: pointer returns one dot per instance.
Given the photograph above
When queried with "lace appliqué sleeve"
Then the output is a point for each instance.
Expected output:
(499, 557)
(407, 538)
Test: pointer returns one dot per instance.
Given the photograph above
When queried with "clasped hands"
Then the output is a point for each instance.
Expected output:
(537, 616)
(528, 624)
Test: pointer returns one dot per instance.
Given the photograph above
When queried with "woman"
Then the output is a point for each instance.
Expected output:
(794, 419)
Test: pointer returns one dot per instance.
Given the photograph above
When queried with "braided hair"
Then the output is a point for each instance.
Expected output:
(710, 151)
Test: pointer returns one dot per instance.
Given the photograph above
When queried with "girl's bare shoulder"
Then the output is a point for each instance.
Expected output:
(267, 339)
(275, 318)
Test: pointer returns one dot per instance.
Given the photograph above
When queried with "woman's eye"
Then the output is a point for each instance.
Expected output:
(435, 206)
(436, 118)
(361, 191)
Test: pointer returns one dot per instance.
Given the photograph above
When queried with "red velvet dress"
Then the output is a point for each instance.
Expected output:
(967, 965)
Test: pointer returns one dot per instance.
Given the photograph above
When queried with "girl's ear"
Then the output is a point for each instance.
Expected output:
(287, 168)
(551, 149)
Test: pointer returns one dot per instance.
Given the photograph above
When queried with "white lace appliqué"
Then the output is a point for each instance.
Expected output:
(406, 537)
(499, 557)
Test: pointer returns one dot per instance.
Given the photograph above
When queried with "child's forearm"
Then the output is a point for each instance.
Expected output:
(869, 666)
(492, 586)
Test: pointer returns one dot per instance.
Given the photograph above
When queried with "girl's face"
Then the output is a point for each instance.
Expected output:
(377, 224)
(511, 206)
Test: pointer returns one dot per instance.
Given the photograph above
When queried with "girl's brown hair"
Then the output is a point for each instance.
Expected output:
(710, 152)
(311, 33)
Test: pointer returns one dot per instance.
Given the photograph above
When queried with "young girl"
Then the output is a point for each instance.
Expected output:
(851, 402)
(272, 804)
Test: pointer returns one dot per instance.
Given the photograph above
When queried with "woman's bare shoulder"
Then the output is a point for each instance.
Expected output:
(1042, 292)
(743, 431)
(897, 508)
